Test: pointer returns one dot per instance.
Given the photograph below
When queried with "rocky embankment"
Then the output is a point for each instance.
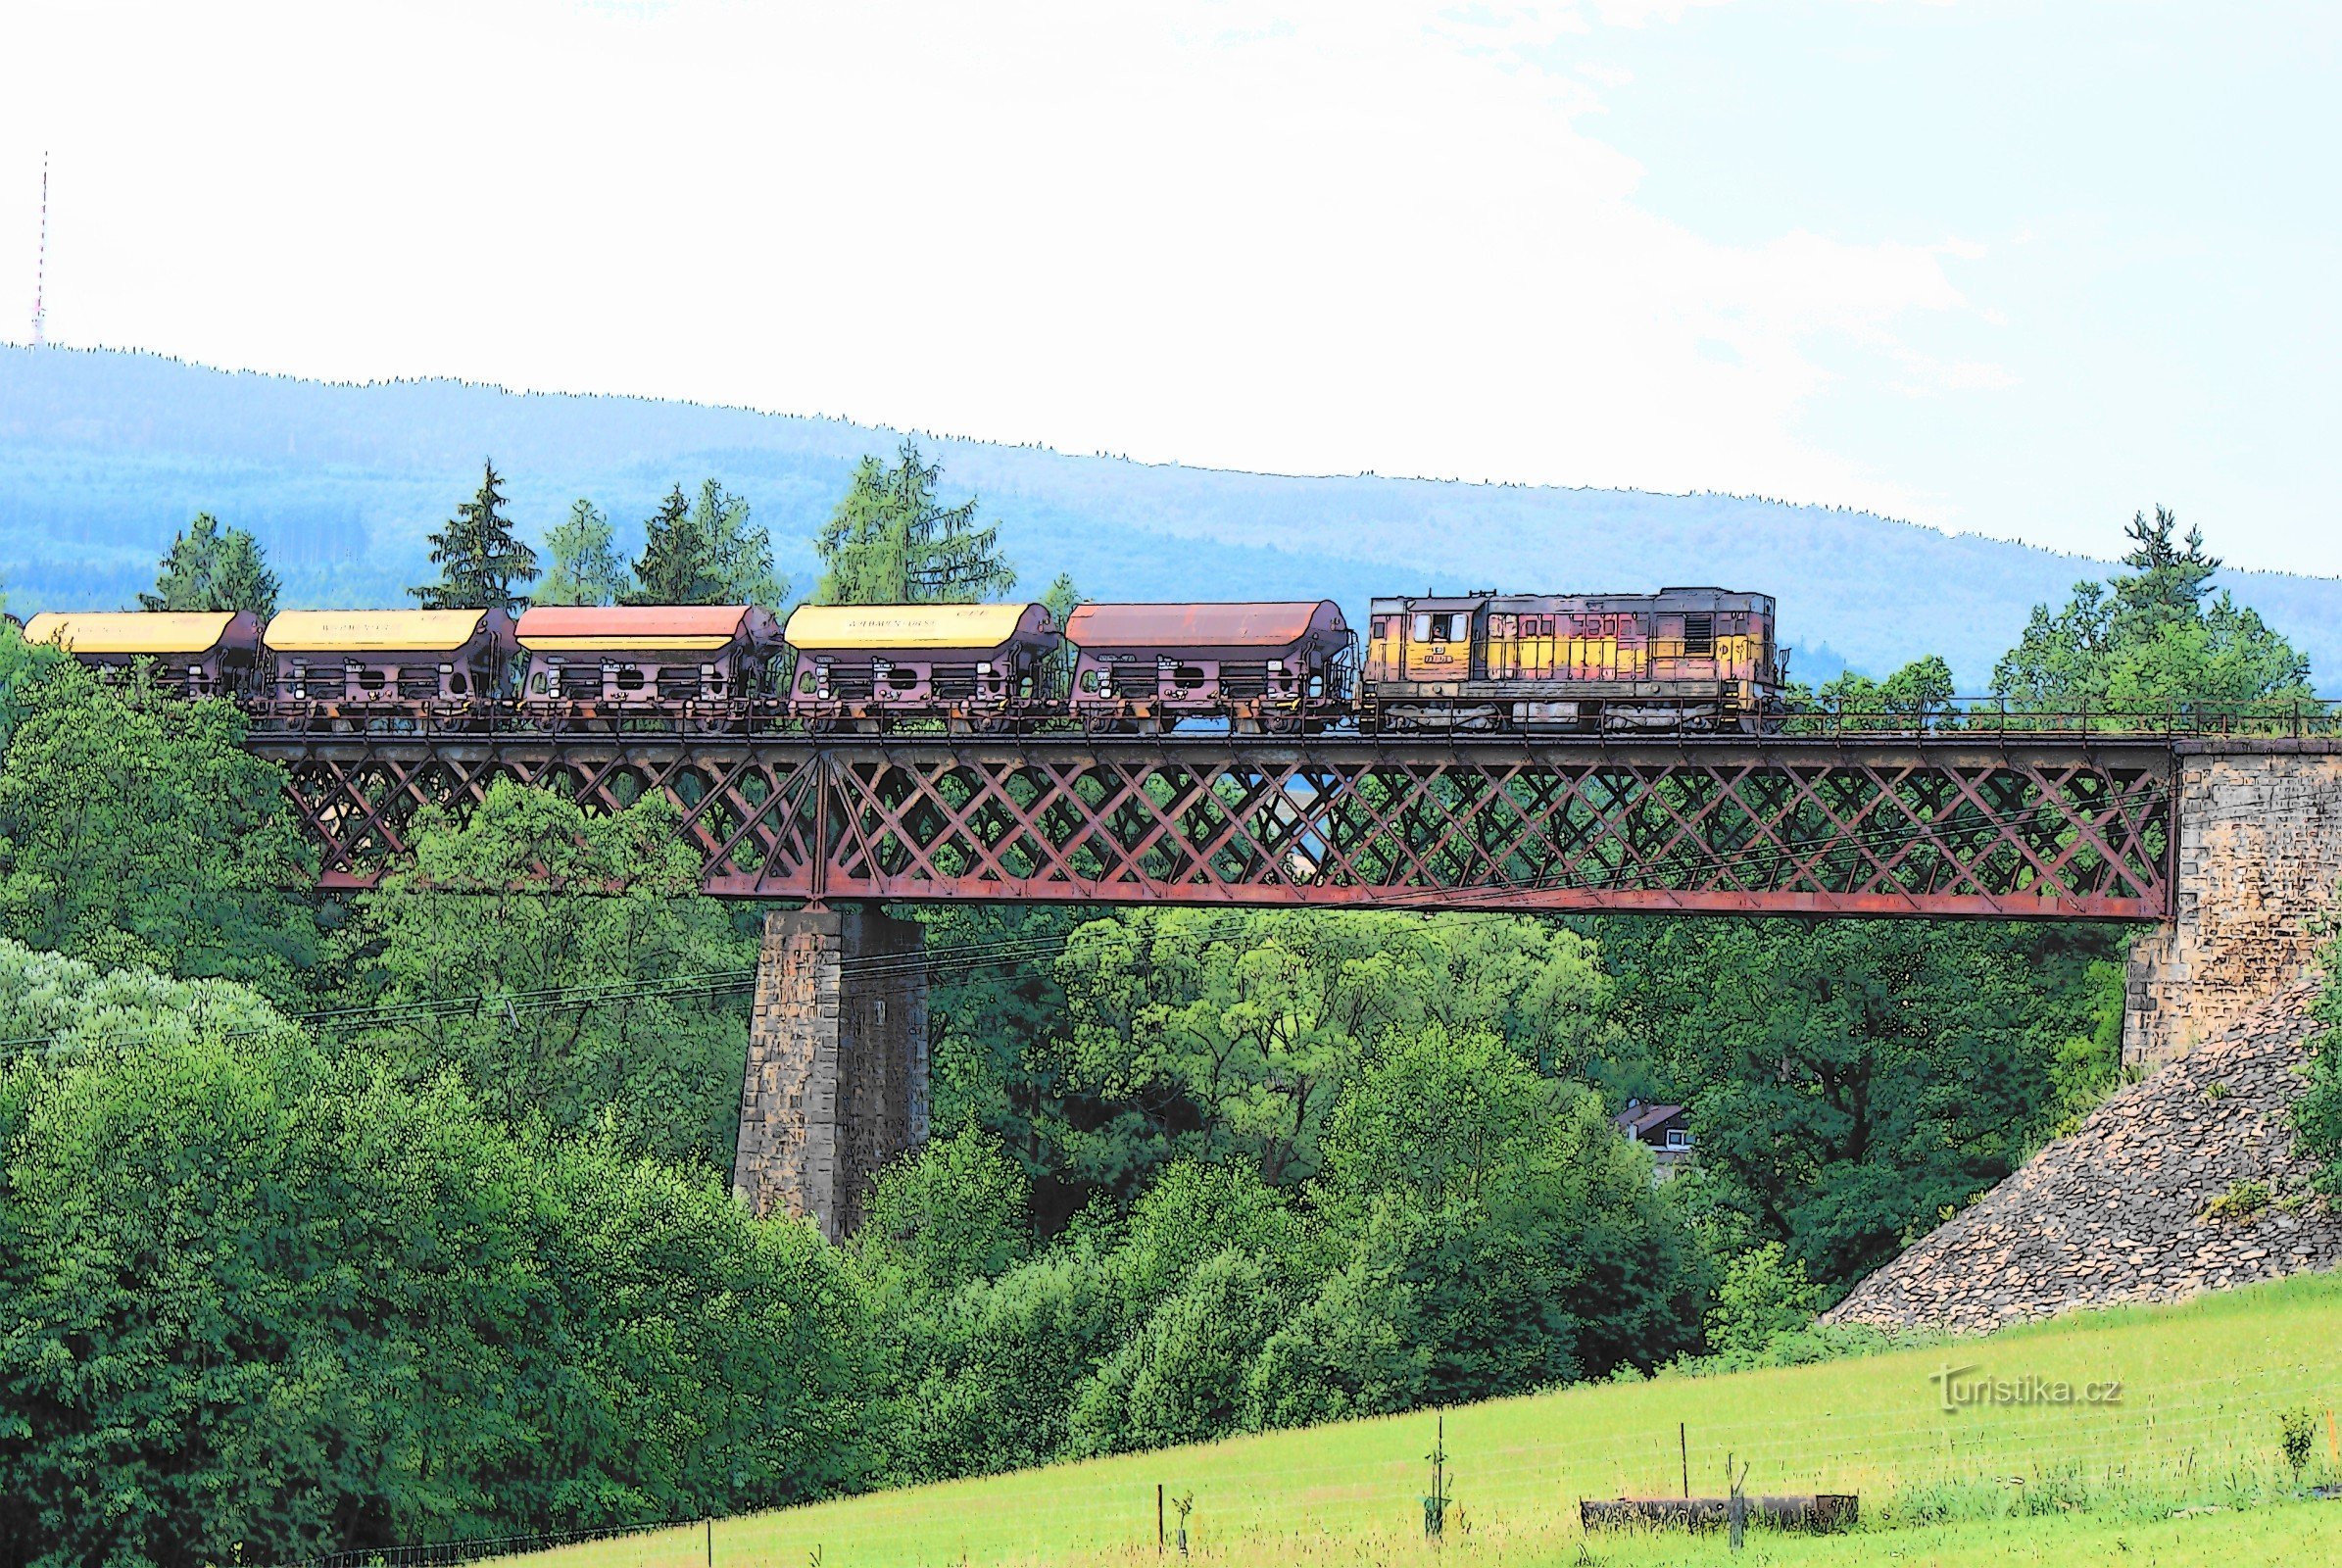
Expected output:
(2186, 1181)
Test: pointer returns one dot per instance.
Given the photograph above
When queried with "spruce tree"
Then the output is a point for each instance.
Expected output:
(891, 542)
(675, 567)
(208, 570)
(706, 553)
(482, 564)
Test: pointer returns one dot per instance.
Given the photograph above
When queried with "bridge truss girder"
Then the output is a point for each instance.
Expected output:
(1942, 826)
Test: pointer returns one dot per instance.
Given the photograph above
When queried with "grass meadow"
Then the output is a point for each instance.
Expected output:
(2182, 1466)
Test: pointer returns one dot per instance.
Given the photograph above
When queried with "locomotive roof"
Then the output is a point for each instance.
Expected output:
(1664, 598)
(143, 631)
(878, 629)
(679, 629)
(1201, 625)
(376, 632)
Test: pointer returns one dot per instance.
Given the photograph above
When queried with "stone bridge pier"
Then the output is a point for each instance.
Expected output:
(837, 1062)
(2256, 862)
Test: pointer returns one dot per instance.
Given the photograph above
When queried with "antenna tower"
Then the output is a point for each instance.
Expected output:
(40, 273)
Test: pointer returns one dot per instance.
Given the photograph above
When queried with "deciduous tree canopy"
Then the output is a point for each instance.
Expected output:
(2151, 641)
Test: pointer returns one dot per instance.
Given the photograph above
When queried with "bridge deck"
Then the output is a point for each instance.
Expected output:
(1984, 825)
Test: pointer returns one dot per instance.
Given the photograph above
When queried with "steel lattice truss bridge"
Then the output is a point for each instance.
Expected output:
(1936, 824)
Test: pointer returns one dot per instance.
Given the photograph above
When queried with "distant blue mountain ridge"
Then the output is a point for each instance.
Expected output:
(103, 455)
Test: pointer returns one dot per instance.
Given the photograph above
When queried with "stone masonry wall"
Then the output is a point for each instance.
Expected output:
(836, 1084)
(2188, 1181)
(2260, 854)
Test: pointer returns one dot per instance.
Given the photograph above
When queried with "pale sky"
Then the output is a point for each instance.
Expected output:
(2018, 268)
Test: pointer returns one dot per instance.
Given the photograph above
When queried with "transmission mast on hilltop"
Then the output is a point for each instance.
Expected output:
(40, 270)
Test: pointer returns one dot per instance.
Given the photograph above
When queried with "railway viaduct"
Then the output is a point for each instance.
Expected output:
(2222, 848)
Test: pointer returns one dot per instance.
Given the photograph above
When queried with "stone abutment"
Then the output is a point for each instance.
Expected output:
(836, 1084)
(2255, 866)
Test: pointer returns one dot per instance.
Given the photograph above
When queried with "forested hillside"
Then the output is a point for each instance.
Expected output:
(104, 455)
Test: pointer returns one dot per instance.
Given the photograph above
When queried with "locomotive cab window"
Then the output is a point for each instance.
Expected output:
(1423, 626)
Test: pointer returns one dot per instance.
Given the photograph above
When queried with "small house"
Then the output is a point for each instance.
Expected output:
(1665, 1130)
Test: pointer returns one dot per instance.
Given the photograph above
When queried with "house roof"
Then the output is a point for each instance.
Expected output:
(1640, 1119)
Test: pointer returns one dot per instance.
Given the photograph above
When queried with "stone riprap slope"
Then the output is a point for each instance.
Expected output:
(2152, 1199)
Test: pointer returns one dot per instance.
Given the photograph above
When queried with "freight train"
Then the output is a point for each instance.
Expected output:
(1697, 658)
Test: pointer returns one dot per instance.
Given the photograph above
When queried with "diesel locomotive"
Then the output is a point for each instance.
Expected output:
(1683, 659)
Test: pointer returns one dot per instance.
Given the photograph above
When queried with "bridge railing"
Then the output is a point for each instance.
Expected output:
(763, 718)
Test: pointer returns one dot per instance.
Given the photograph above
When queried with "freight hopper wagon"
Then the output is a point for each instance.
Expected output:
(1265, 669)
(592, 662)
(191, 652)
(357, 668)
(1681, 659)
(863, 669)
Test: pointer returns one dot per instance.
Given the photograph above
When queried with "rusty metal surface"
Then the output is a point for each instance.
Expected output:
(1266, 625)
(1951, 828)
(623, 625)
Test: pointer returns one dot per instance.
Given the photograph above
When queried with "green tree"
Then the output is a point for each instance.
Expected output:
(1181, 1378)
(584, 567)
(565, 963)
(1920, 690)
(741, 551)
(2151, 642)
(706, 553)
(1764, 1292)
(482, 563)
(1535, 1243)
(676, 567)
(950, 1215)
(891, 542)
(208, 570)
(983, 1379)
(135, 829)
(1062, 597)
(2317, 1115)
(1356, 1349)
(1853, 1081)
(262, 1301)
(1210, 1036)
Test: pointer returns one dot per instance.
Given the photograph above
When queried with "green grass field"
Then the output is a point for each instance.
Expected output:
(2195, 1423)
